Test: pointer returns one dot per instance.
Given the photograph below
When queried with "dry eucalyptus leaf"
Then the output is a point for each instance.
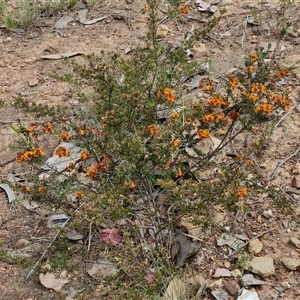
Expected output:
(9, 192)
(49, 281)
(176, 290)
(110, 236)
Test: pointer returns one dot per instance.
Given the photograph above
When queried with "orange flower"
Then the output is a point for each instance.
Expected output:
(183, 9)
(265, 107)
(31, 128)
(92, 172)
(152, 129)
(81, 132)
(250, 69)
(220, 116)
(104, 163)
(215, 101)
(175, 115)
(253, 57)
(28, 189)
(25, 156)
(233, 115)
(282, 72)
(41, 190)
(62, 151)
(132, 185)
(171, 96)
(233, 83)
(255, 88)
(208, 118)
(208, 88)
(65, 136)
(242, 192)
(84, 155)
(71, 167)
(176, 143)
(79, 195)
(48, 128)
(178, 173)
(263, 89)
(203, 133)
(253, 97)
(37, 152)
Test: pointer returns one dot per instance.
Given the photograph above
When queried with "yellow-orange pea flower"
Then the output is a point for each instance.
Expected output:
(203, 133)
(251, 69)
(79, 195)
(48, 128)
(175, 115)
(62, 151)
(65, 136)
(152, 129)
(233, 115)
(84, 155)
(179, 173)
(81, 132)
(37, 152)
(176, 143)
(70, 167)
(242, 192)
(132, 185)
(253, 57)
(92, 172)
(233, 83)
(183, 9)
(265, 107)
(208, 118)
(41, 190)
(253, 97)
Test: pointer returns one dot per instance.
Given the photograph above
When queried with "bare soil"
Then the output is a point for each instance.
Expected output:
(125, 26)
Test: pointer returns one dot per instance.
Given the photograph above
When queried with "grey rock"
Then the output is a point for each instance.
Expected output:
(248, 295)
(249, 279)
(220, 294)
(74, 236)
(262, 266)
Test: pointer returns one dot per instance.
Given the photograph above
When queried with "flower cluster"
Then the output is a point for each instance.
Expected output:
(103, 165)
(28, 155)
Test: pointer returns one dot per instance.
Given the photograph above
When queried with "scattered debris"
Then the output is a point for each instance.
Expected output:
(267, 214)
(150, 275)
(296, 182)
(62, 22)
(295, 241)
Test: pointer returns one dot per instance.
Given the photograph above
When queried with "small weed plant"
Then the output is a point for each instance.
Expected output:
(149, 156)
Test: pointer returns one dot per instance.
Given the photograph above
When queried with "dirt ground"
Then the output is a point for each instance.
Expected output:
(23, 72)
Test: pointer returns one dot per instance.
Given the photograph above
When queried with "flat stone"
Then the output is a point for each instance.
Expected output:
(33, 82)
(249, 279)
(295, 242)
(262, 266)
(255, 246)
(291, 263)
(21, 243)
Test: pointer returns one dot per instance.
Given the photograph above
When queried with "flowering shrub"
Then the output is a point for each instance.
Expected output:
(138, 140)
